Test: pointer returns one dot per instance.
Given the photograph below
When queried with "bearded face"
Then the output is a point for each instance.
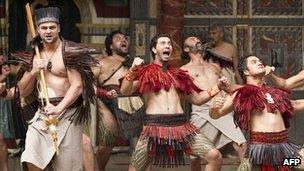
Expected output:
(120, 45)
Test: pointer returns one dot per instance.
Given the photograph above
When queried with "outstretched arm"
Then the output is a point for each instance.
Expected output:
(290, 83)
(221, 106)
(298, 105)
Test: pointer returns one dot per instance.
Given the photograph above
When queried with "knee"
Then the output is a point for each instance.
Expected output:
(213, 155)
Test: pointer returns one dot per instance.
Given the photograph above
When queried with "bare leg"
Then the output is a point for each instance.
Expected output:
(88, 154)
(32, 167)
(3, 154)
(106, 135)
(240, 149)
(214, 160)
(132, 168)
(103, 155)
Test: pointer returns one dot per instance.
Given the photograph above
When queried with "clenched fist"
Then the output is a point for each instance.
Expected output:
(269, 70)
(223, 83)
(137, 62)
(38, 64)
(218, 102)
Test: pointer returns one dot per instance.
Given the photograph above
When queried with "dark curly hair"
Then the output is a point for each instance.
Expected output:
(109, 40)
(242, 65)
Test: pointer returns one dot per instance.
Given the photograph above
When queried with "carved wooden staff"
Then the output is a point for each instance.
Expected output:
(50, 121)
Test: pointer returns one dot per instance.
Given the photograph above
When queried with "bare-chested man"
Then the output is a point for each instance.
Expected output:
(67, 68)
(225, 49)
(111, 70)
(167, 134)
(222, 131)
(264, 112)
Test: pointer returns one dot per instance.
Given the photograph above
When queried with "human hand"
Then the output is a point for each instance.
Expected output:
(137, 62)
(269, 70)
(218, 102)
(223, 83)
(112, 94)
(50, 109)
(38, 64)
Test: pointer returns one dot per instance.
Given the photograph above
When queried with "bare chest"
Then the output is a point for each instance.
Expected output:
(111, 74)
(55, 65)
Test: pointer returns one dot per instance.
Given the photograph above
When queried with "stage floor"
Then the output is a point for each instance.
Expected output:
(120, 162)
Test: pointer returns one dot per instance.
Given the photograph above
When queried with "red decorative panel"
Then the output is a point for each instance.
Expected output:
(115, 8)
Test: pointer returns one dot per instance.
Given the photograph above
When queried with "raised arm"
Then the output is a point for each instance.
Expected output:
(27, 83)
(298, 105)
(290, 83)
(129, 84)
(205, 96)
(221, 106)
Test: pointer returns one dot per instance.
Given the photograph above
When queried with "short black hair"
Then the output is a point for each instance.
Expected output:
(154, 41)
(242, 65)
(109, 39)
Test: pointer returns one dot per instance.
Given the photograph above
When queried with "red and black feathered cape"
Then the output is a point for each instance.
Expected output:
(152, 78)
(75, 56)
(250, 97)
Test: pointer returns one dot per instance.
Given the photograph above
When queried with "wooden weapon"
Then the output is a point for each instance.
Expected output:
(50, 121)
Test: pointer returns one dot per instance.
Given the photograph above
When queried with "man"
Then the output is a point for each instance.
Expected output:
(3, 149)
(221, 131)
(264, 112)
(66, 66)
(227, 52)
(167, 135)
(115, 117)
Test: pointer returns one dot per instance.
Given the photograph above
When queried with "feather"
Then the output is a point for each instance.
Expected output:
(250, 97)
(152, 78)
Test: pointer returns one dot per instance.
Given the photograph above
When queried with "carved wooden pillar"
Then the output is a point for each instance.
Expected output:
(171, 21)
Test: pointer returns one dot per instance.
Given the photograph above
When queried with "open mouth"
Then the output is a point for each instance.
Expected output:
(166, 53)
(124, 46)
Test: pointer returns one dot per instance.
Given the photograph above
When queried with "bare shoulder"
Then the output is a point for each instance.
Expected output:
(105, 60)
(212, 68)
(228, 44)
(185, 67)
